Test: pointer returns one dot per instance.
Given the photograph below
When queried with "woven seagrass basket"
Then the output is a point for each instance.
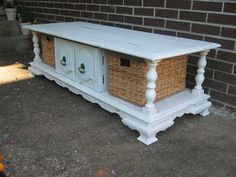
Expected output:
(127, 77)
(48, 51)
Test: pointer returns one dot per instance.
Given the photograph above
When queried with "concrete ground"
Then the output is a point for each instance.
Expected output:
(47, 131)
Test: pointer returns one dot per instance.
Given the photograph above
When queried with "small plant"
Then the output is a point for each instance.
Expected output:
(9, 4)
(23, 14)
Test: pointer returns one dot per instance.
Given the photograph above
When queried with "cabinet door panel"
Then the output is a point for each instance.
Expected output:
(89, 66)
(65, 61)
(85, 58)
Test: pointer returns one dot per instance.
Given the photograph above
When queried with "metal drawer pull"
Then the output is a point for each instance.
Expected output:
(81, 68)
(63, 61)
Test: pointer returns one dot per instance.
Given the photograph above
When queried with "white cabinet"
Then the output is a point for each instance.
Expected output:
(65, 62)
(82, 63)
(90, 67)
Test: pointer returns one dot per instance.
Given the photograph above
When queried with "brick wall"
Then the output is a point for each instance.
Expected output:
(211, 20)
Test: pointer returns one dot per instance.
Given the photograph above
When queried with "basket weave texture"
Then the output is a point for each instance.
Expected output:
(130, 83)
(48, 51)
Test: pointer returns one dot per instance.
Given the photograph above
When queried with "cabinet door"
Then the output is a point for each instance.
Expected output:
(84, 56)
(90, 67)
(65, 61)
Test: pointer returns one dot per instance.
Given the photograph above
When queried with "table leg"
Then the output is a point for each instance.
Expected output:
(200, 73)
(198, 90)
(150, 93)
(36, 47)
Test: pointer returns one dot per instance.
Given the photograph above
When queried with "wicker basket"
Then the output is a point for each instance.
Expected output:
(127, 77)
(48, 51)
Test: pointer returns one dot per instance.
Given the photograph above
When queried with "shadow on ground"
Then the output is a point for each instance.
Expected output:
(47, 131)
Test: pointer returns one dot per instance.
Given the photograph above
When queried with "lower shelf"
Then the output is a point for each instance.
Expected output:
(147, 124)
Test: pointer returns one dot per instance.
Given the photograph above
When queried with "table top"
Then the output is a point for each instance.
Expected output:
(140, 44)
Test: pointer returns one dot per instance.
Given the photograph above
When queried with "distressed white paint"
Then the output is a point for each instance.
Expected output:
(152, 118)
(136, 43)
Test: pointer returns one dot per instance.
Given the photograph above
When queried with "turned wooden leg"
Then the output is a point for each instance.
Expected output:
(36, 48)
(200, 73)
(150, 93)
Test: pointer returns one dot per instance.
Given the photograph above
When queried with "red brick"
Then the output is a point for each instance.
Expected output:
(216, 85)
(207, 6)
(178, 4)
(227, 56)
(92, 8)
(133, 20)
(64, 12)
(100, 16)
(193, 16)
(74, 13)
(228, 32)
(133, 2)
(222, 19)
(86, 1)
(49, 4)
(206, 29)
(230, 7)
(223, 97)
(224, 77)
(100, 1)
(124, 10)
(50, 17)
(86, 14)
(220, 66)
(144, 11)
(178, 25)
(115, 2)
(69, 6)
(110, 9)
(116, 18)
(59, 18)
(154, 22)
(80, 6)
(69, 19)
(153, 3)
(166, 13)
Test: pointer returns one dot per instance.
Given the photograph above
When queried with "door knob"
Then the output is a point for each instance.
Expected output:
(63, 61)
(81, 69)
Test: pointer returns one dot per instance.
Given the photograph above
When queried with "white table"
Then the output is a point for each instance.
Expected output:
(153, 117)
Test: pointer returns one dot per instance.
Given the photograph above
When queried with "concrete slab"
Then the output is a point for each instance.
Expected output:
(9, 28)
(48, 131)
